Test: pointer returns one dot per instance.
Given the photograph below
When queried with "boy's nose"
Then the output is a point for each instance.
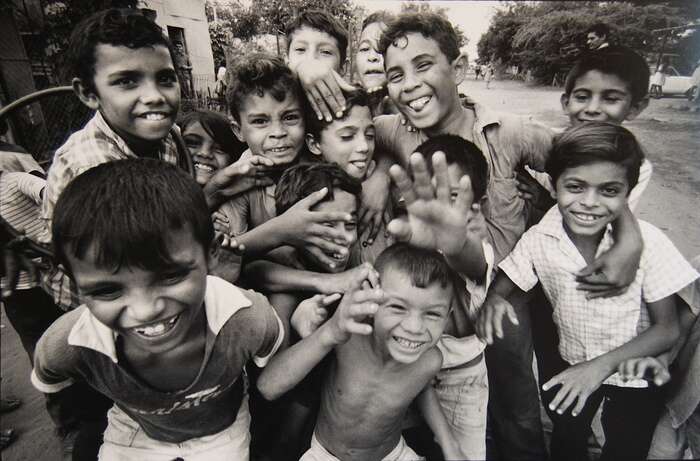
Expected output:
(412, 324)
(278, 130)
(362, 145)
(151, 94)
(593, 106)
(589, 198)
(410, 82)
(143, 309)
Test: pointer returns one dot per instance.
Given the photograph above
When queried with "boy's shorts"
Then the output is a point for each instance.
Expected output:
(124, 440)
(463, 393)
(401, 452)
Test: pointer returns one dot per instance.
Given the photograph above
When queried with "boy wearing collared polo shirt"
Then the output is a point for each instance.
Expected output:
(594, 166)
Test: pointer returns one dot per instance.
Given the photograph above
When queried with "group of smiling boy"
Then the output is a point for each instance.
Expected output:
(169, 341)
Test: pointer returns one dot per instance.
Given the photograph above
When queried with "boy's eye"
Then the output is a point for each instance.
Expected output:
(435, 315)
(174, 276)
(327, 52)
(124, 82)
(395, 77)
(573, 187)
(397, 308)
(292, 117)
(364, 49)
(105, 294)
(424, 66)
(347, 137)
(258, 121)
(611, 191)
(352, 225)
(299, 49)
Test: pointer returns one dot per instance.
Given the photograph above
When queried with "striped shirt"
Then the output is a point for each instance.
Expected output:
(21, 197)
(94, 144)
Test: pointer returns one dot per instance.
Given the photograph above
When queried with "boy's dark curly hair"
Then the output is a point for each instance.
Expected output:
(357, 97)
(430, 25)
(257, 74)
(301, 180)
(116, 27)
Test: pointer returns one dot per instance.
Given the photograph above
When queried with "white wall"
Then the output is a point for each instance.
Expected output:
(188, 15)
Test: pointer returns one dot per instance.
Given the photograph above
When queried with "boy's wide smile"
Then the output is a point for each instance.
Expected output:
(157, 329)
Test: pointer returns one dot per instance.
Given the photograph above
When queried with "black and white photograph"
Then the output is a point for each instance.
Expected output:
(349, 230)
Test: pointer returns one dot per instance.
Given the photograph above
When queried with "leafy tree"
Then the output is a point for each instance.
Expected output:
(546, 37)
(425, 6)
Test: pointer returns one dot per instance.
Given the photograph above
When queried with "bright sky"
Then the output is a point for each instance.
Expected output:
(473, 17)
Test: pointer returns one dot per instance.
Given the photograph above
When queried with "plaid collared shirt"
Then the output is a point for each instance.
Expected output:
(589, 328)
(94, 144)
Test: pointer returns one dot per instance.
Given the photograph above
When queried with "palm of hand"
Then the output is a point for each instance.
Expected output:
(435, 224)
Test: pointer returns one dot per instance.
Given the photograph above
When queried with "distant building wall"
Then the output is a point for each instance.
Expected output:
(188, 15)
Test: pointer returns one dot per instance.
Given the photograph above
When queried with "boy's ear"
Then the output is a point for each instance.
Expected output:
(637, 108)
(460, 65)
(236, 127)
(86, 96)
(313, 145)
(564, 103)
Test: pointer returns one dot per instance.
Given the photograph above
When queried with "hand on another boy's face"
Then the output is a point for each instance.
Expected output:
(489, 323)
(311, 313)
(649, 368)
(237, 178)
(359, 303)
(375, 195)
(343, 282)
(324, 89)
(303, 226)
(577, 383)
(433, 220)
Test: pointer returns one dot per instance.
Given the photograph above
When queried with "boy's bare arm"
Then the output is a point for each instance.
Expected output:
(430, 408)
(578, 382)
(611, 273)
(276, 277)
(290, 366)
(375, 196)
(490, 320)
(435, 222)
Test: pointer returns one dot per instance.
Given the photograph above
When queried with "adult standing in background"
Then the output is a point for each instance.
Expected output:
(598, 36)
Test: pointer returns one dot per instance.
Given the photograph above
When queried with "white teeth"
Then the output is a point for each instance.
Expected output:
(418, 104)
(154, 116)
(278, 149)
(201, 166)
(359, 165)
(586, 217)
(406, 343)
(157, 329)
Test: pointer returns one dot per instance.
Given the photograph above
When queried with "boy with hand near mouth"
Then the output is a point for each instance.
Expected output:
(384, 356)
(157, 335)
(268, 108)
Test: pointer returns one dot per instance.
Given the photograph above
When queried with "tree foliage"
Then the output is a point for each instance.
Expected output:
(546, 37)
(48, 26)
(425, 6)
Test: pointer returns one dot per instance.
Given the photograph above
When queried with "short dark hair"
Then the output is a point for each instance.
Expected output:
(620, 61)
(218, 127)
(430, 25)
(116, 27)
(461, 152)
(259, 73)
(355, 98)
(595, 142)
(423, 267)
(125, 209)
(380, 16)
(303, 179)
(323, 21)
(600, 29)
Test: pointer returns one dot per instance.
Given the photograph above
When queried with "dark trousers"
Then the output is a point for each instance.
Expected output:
(78, 409)
(30, 312)
(514, 406)
(629, 417)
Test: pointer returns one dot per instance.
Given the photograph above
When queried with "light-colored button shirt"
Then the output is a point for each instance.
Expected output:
(589, 328)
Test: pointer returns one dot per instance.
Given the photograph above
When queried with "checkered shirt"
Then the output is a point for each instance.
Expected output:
(590, 328)
(94, 144)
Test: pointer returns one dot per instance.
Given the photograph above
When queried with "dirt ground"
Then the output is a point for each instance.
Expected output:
(669, 134)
